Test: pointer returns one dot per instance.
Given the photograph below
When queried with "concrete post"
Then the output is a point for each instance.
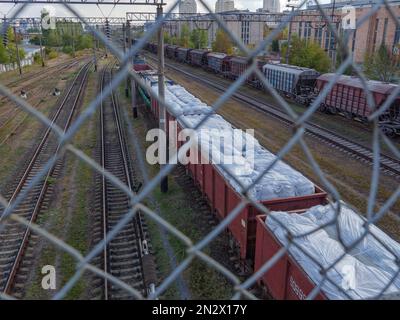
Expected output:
(161, 94)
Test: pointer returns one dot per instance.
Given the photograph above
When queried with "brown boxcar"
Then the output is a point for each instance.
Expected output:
(238, 65)
(183, 54)
(286, 279)
(348, 96)
(198, 57)
(171, 51)
(215, 61)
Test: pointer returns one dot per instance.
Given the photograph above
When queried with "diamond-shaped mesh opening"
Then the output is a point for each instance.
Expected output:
(291, 244)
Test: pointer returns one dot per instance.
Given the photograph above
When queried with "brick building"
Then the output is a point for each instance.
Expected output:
(247, 26)
(379, 28)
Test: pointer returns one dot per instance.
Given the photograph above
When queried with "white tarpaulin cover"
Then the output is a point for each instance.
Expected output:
(280, 181)
(361, 273)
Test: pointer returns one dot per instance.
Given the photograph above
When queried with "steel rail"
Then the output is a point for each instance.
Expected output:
(108, 198)
(23, 181)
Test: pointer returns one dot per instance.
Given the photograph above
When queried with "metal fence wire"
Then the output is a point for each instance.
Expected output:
(195, 250)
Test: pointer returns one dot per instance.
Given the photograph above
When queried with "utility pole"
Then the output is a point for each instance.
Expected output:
(108, 35)
(161, 94)
(73, 40)
(127, 78)
(132, 81)
(94, 52)
(41, 45)
(17, 50)
(289, 35)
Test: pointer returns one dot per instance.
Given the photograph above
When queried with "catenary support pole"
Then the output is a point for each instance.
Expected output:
(94, 45)
(17, 51)
(289, 38)
(41, 45)
(124, 46)
(73, 40)
(161, 94)
(132, 81)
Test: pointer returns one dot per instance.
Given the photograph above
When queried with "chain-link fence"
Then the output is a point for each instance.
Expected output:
(195, 250)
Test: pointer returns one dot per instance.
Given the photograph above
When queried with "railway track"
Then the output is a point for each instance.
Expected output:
(39, 74)
(127, 255)
(388, 165)
(15, 238)
(9, 117)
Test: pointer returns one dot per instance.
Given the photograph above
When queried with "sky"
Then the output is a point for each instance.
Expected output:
(108, 10)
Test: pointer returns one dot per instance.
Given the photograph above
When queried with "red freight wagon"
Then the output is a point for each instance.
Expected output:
(223, 198)
(226, 66)
(286, 279)
(348, 96)
(198, 57)
(141, 67)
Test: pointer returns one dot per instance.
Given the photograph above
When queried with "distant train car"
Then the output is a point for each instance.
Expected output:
(151, 47)
(198, 57)
(226, 66)
(139, 64)
(300, 84)
(183, 54)
(215, 61)
(239, 65)
(292, 81)
(349, 98)
(171, 51)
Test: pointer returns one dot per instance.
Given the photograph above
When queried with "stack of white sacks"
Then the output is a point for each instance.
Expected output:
(362, 273)
(251, 158)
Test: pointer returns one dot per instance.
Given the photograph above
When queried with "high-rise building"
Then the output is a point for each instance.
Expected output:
(188, 6)
(272, 5)
(224, 5)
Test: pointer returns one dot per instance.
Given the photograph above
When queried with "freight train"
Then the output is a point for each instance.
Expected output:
(295, 205)
(347, 97)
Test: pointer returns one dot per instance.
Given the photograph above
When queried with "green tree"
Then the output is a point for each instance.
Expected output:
(198, 38)
(307, 54)
(167, 38)
(85, 41)
(222, 43)
(4, 57)
(184, 37)
(275, 45)
(381, 65)
(12, 52)
(9, 54)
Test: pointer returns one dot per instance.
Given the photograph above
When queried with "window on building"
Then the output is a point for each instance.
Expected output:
(384, 31)
(353, 42)
(318, 36)
(245, 32)
(307, 30)
(396, 36)
(375, 35)
(300, 28)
